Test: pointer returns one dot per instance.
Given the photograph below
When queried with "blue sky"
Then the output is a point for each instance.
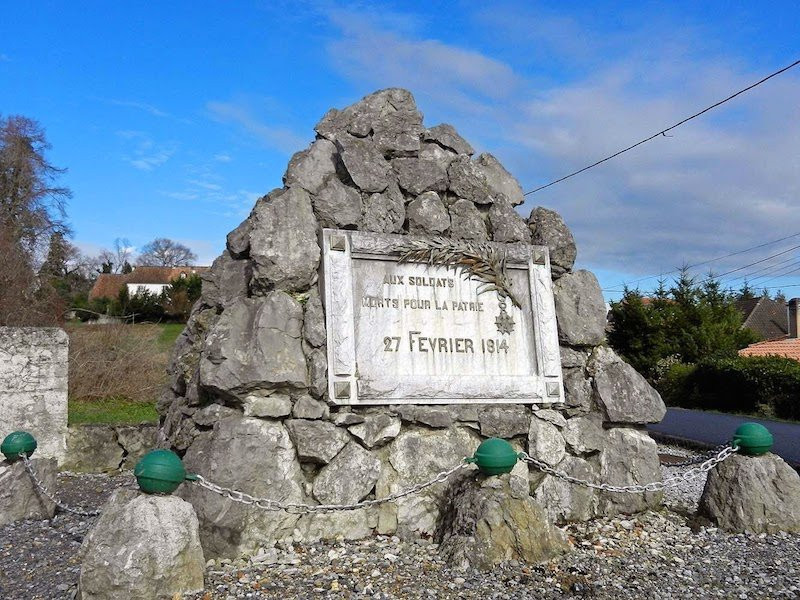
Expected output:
(172, 118)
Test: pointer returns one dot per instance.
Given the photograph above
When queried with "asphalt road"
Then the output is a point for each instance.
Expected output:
(715, 428)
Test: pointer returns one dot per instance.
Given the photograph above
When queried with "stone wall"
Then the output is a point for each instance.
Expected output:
(33, 386)
(247, 404)
(108, 448)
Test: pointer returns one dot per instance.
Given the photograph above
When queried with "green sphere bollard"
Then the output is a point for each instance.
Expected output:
(495, 457)
(160, 472)
(753, 439)
(16, 443)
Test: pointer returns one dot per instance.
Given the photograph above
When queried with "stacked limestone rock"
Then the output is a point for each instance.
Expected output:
(248, 407)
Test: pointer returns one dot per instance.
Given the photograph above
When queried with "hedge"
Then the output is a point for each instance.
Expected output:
(768, 386)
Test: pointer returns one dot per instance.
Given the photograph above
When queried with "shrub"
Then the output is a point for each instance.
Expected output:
(116, 361)
(764, 385)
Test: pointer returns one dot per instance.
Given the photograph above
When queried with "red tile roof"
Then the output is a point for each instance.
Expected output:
(163, 275)
(788, 347)
(108, 285)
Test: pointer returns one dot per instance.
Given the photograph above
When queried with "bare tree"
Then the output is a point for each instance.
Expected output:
(32, 207)
(163, 252)
(24, 301)
(116, 259)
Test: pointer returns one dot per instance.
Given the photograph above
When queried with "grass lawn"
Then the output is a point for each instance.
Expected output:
(111, 411)
(119, 409)
(169, 333)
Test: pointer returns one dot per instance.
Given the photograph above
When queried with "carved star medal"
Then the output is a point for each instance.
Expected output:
(504, 321)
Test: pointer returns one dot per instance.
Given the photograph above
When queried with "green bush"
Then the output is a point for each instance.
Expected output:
(765, 385)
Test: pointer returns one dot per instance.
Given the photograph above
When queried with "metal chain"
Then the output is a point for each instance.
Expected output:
(697, 459)
(41, 487)
(299, 508)
(654, 486)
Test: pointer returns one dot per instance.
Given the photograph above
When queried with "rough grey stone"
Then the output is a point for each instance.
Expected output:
(432, 416)
(501, 183)
(418, 175)
(629, 457)
(447, 136)
(468, 180)
(415, 456)
(238, 240)
(551, 416)
(398, 133)
(583, 435)
(504, 420)
(436, 153)
(253, 455)
(272, 406)
(255, 345)
(548, 229)
(317, 359)
(349, 477)
(580, 309)
(369, 114)
(345, 419)
(492, 520)
(227, 280)
(337, 205)
(573, 357)
(507, 224)
(483, 180)
(283, 242)
(92, 449)
(386, 212)
(316, 441)
(466, 222)
(577, 391)
(33, 386)
(19, 498)
(754, 494)
(365, 164)
(208, 415)
(142, 546)
(311, 167)
(545, 442)
(564, 501)
(314, 320)
(136, 441)
(427, 214)
(624, 395)
(376, 429)
(306, 407)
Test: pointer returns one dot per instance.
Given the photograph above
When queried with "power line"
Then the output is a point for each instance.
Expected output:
(705, 262)
(664, 131)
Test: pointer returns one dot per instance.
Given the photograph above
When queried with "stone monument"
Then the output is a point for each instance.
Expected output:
(378, 316)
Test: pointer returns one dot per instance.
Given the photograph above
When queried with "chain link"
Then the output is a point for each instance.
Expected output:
(654, 486)
(697, 459)
(299, 508)
(41, 487)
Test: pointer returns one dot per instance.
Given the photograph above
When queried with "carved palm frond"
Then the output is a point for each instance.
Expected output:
(481, 262)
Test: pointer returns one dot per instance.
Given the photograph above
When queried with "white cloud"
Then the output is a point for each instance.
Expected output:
(143, 106)
(144, 153)
(720, 183)
(223, 157)
(242, 114)
(457, 77)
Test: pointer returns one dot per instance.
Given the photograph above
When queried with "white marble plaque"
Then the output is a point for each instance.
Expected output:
(414, 333)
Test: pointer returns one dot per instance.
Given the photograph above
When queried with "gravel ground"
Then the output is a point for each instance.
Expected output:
(664, 554)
